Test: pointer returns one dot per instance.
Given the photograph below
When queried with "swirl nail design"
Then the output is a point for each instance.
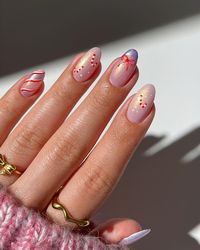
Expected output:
(87, 65)
(33, 83)
(124, 68)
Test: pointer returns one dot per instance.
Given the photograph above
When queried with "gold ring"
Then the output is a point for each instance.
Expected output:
(67, 215)
(7, 168)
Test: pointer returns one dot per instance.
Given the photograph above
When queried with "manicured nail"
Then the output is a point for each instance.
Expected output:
(124, 68)
(33, 83)
(134, 237)
(141, 104)
(87, 65)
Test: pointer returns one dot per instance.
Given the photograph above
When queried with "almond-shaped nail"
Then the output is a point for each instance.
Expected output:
(134, 237)
(124, 68)
(33, 83)
(141, 104)
(87, 65)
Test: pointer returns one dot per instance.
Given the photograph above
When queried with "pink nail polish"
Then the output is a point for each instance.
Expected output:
(124, 68)
(87, 65)
(141, 104)
(33, 83)
(134, 237)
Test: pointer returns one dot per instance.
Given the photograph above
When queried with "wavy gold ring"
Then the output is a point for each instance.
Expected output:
(67, 215)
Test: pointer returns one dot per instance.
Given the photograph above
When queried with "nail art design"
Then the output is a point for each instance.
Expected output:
(87, 65)
(124, 68)
(134, 237)
(141, 104)
(33, 83)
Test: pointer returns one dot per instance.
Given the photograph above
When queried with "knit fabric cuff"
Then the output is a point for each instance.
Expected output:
(25, 229)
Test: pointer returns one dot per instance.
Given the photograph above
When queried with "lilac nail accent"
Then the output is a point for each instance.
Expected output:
(33, 83)
(124, 68)
(134, 237)
(87, 65)
(141, 104)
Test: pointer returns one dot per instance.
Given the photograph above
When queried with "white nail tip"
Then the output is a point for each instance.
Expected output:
(134, 237)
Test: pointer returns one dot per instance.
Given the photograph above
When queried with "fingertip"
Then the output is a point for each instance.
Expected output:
(113, 231)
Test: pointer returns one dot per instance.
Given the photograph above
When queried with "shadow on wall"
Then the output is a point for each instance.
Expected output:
(34, 32)
(161, 192)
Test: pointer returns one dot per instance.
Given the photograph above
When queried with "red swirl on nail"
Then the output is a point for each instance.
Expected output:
(36, 76)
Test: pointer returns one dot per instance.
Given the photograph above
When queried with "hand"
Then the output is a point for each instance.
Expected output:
(53, 151)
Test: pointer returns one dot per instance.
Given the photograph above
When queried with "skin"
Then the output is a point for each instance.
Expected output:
(52, 148)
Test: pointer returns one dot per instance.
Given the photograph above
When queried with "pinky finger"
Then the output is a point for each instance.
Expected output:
(18, 100)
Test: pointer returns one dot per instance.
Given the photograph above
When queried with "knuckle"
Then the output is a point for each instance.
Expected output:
(60, 93)
(97, 181)
(120, 133)
(102, 98)
(28, 139)
(65, 150)
(3, 112)
(7, 108)
(123, 134)
(61, 90)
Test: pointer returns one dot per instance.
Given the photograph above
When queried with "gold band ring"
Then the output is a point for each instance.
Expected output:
(67, 215)
(7, 168)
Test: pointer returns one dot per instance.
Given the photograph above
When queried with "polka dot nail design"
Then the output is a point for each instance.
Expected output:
(124, 68)
(33, 83)
(141, 104)
(87, 65)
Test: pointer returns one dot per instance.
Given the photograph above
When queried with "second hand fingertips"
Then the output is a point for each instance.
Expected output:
(32, 84)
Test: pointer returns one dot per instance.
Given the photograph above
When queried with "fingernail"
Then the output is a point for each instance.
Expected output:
(124, 68)
(87, 65)
(141, 104)
(134, 237)
(33, 83)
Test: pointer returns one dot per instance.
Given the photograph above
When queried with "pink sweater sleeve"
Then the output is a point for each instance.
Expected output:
(25, 229)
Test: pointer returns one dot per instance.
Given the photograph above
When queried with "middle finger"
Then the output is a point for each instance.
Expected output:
(71, 143)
